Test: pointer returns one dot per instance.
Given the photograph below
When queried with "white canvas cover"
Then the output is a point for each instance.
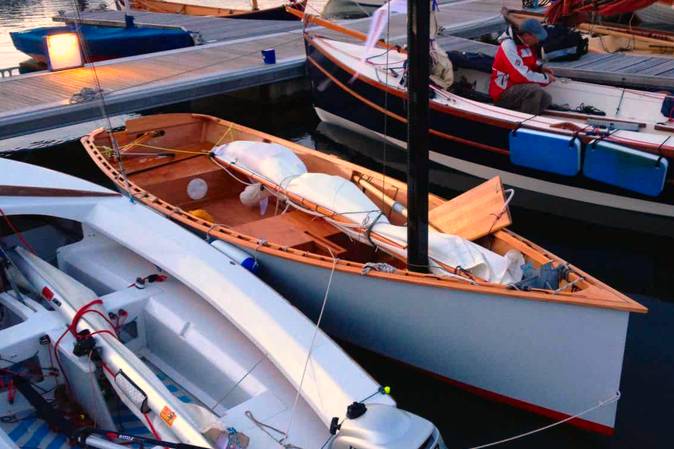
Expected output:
(271, 160)
(343, 197)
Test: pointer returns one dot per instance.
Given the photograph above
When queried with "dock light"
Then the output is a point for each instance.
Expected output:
(63, 51)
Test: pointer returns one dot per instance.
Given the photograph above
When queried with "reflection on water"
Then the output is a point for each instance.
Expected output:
(18, 15)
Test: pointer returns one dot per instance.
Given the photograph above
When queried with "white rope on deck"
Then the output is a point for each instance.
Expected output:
(599, 405)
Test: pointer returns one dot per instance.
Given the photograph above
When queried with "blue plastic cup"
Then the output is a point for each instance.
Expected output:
(269, 56)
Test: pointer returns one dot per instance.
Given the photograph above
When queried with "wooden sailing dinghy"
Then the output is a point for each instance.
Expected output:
(611, 168)
(136, 315)
(309, 217)
(239, 9)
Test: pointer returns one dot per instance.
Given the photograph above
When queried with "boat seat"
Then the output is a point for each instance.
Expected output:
(293, 229)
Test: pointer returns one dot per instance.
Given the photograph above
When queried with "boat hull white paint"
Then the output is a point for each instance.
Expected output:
(554, 359)
(559, 199)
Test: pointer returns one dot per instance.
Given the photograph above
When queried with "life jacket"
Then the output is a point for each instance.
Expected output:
(514, 63)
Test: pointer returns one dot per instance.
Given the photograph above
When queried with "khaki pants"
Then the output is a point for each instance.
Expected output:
(529, 98)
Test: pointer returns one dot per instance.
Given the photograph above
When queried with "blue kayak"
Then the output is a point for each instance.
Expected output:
(105, 42)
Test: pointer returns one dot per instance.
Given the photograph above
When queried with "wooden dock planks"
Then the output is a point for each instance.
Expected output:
(41, 101)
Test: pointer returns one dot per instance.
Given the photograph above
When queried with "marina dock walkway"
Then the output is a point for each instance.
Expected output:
(46, 100)
(43, 101)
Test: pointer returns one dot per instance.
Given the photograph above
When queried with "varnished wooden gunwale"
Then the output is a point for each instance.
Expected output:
(598, 295)
(176, 7)
(647, 147)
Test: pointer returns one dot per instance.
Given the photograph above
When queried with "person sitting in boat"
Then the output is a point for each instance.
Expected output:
(517, 75)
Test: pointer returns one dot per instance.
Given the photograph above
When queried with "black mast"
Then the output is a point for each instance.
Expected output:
(418, 66)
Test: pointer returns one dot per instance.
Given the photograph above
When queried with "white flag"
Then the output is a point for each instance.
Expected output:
(380, 19)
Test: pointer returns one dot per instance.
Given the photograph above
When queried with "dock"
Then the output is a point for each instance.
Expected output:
(638, 72)
(231, 61)
(41, 101)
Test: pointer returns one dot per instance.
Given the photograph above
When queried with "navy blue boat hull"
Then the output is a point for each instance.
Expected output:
(463, 141)
(102, 43)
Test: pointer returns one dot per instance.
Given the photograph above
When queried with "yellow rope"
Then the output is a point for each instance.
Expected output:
(223, 135)
(108, 151)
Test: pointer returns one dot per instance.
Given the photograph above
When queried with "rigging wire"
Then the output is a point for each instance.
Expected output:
(614, 398)
(102, 104)
(313, 341)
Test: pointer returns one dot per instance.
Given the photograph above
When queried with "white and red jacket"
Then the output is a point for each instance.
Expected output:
(514, 63)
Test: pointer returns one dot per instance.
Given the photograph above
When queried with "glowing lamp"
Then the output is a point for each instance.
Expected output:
(63, 51)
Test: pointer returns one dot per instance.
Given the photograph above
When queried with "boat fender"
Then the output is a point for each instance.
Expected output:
(544, 151)
(237, 255)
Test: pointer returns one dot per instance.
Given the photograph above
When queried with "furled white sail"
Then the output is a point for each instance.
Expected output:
(345, 199)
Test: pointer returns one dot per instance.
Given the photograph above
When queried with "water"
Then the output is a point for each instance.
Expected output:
(18, 15)
(637, 264)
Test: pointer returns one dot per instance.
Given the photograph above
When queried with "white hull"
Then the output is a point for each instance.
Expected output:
(551, 189)
(240, 354)
(554, 359)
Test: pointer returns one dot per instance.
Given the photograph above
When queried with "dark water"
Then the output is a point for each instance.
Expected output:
(18, 15)
(637, 264)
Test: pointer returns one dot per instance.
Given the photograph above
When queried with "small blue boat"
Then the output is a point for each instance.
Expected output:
(104, 42)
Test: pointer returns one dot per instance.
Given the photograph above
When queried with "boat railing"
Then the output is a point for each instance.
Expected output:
(9, 72)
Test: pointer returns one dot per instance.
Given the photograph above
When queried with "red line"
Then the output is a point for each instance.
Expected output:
(18, 233)
(496, 397)
(537, 409)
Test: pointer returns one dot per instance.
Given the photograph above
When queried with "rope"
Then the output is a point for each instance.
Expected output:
(86, 94)
(18, 233)
(599, 405)
(264, 356)
(263, 427)
(313, 340)
(377, 266)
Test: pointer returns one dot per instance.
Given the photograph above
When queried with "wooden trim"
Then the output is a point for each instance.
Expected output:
(666, 151)
(663, 127)
(6, 190)
(610, 299)
(400, 118)
(581, 116)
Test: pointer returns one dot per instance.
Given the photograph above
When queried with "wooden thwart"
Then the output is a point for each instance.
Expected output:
(475, 213)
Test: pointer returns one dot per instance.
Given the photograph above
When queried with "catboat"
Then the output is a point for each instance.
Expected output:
(119, 326)
(308, 217)
(610, 168)
(257, 9)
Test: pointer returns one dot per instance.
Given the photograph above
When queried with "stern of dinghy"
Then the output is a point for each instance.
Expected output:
(377, 426)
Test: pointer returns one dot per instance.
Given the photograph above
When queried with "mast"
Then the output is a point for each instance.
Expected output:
(418, 30)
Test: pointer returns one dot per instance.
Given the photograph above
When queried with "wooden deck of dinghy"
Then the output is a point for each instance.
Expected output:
(162, 153)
